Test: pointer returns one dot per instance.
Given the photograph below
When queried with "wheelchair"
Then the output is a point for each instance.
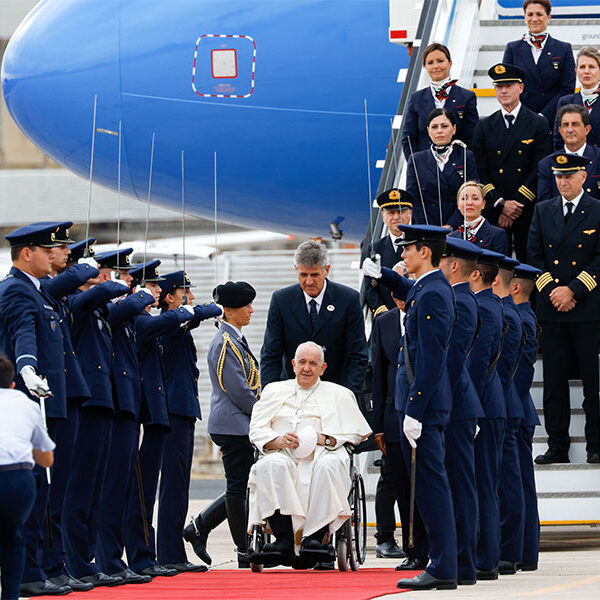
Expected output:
(349, 541)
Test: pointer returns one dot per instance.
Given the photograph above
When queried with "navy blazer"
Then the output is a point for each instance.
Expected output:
(485, 350)
(127, 372)
(30, 334)
(386, 339)
(466, 403)
(547, 183)
(461, 102)
(340, 330)
(379, 295)
(450, 179)
(488, 236)
(510, 357)
(593, 137)
(148, 330)
(526, 368)
(545, 82)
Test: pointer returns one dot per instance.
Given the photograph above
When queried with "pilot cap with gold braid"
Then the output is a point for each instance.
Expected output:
(565, 164)
(395, 199)
(505, 73)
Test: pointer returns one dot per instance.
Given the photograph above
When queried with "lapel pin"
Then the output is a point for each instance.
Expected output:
(330, 307)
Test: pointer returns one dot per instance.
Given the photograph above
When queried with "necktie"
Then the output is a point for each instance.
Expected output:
(509, 120)
(569, 206)
(244, 341)
(313, 312)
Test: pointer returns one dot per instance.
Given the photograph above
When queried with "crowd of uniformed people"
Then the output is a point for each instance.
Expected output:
(453, 346)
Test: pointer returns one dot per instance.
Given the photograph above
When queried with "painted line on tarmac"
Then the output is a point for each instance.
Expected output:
(559, 588)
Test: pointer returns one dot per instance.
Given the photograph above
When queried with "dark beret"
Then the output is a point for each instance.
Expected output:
(234, 294)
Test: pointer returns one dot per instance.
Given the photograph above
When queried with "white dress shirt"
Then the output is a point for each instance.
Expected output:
(425, 275)
(318, 299)
(514, 112)
(578, 152)
(574, 202)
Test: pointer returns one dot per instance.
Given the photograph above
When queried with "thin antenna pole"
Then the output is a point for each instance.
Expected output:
(119, 201)
(437, 169)
(369, 179)
(148, 207)
(216, 230)
(465, 193)
(412, 156)
(185, 298)
(89, 206)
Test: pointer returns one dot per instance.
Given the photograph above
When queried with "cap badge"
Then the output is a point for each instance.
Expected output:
(500, 69)
(67, 232)
(52, 237)
(394, 195)
(330, 307)
(561, 160)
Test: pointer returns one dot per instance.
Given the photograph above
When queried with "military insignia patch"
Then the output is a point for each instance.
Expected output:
(500, 69)
(555, 65)
(589, 231)
(527, 141)
(53, 325)
(394, 195)
(561, 160)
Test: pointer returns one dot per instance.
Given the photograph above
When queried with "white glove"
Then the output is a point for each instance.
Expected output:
(477, 430)
(189, 308)
(412, 430)
(89, 260)
(145, 290)
(35, 384)
(372, 268)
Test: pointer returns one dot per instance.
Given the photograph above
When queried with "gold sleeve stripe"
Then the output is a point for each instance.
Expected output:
(587, 280)
(488, 188)
(543, 280)
(525, 191)
(380, 309)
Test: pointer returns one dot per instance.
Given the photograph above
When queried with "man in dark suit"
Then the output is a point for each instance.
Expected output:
(574, 129)
(396, 209)
(508, 145)
(319, 310)
(564, 242)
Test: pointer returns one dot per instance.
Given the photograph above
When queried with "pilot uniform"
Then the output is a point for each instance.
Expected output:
(567, 249)
(507, 158)
(593, 137)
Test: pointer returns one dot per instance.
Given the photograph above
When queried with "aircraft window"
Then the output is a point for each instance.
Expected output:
(224, 63)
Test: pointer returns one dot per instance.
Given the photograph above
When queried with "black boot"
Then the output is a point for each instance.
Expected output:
(281, 525)
(237, 519)
(197, 531)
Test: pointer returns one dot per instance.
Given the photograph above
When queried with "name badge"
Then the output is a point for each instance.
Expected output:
(555, 65)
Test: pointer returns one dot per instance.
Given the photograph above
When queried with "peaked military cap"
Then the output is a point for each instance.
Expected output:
(505, 73)
(461, 249)
(489, 257)
(234, 294)
(62, 234)
(147, 271)
(172, 281)
(565, 164)
(120, 257)
(422, 233)
(78, 249)
(395, 199)
(507, 263)
(523, 271)
(37, 234)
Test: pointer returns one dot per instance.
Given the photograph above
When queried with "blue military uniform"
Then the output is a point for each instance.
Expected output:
(593, 136)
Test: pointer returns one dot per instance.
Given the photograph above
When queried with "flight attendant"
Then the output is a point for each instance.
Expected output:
(434, 175)
(548, 63)
(442, 92)
(588, 74)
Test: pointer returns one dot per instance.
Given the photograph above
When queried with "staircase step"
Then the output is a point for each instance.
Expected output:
(547, 495)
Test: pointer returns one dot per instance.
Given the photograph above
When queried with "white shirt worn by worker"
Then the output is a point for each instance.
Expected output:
(21, 428)
(313, 490)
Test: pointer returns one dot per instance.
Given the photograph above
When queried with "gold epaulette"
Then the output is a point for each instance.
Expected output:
(252, 376)
(543, 280)
(527, 193)
(587, 280)
(380, 309)
(487, 189)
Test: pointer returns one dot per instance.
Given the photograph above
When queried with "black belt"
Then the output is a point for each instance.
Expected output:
(16, 467)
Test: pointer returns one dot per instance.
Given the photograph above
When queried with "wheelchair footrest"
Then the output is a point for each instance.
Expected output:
(270, 559)
(309, 556)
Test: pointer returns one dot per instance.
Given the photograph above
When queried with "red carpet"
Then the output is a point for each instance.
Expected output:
(274, 584)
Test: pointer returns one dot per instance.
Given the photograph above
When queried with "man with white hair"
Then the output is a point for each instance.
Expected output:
(300, 483)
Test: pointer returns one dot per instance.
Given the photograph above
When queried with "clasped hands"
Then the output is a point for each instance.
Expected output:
(563, 298)
(290, 440)
(510, 211)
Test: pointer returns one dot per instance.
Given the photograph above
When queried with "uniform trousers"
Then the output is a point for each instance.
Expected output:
(531, 529)
(84, 489)
(488, 458)
(238, 458)
(385, 500)
(561, 344)
(460, 463)
(17, 497)
(174, 493)
(63, 432)
(434, 499)
(119, 478)
(139, 554)
(512, 499)
(398, 479)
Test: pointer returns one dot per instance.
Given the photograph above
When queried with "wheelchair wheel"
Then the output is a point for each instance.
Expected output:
(341, 549)
(359, 519)
(256, 542)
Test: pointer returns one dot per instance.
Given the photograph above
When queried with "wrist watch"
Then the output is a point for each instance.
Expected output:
(328, 441)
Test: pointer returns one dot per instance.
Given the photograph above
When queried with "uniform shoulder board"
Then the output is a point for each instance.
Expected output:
(8, 276)
(589, 231)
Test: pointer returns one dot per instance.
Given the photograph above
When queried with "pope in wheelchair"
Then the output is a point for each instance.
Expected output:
(298, 488)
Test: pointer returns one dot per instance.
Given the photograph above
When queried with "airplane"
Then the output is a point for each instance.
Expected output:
(275, 98)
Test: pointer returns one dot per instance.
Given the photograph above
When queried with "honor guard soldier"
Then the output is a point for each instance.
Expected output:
(235, 381)
(508, 146)
(488, 443)
(140, 538)
(396, 207)
(512, 501)
(31, 337)
(522, 287)
(181, 381)
(564, 242)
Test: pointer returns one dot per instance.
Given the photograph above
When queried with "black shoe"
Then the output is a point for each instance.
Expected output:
(43, 588)
(425, 581)
(466, 581)
(128, 576)
(485, 575)
(593, 457)
(378, 462)
(412, 564)
(389, 550)
(186, 567)
(505, 567)
(325, 566)
(527, 566)
(157, 571)
(243, 562)
(197, 531)
(551, 457)
(102, 580)
(74, 584)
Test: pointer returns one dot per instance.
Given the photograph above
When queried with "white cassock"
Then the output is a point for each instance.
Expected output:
(314, 489)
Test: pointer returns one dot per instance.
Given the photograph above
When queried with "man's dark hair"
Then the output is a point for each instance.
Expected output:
(488, 273)
(161, 299)
(506, 276)
(7, 371)
(545, 3)
(432, 48)
(437, 249)
(15, 252)
(527, 285)
(467, 266)
(574, 108)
